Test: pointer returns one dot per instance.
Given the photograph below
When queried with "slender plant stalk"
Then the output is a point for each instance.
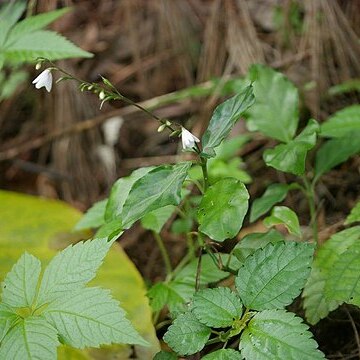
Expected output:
(163, 252)
(205, 173)
(310, 194)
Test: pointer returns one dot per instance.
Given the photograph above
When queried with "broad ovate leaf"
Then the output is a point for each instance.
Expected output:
(91, 317)
(20, 284)
(342, 122)
(224, 118)
(218, 307)
(277, 334)
(222, 209)
(275, 112)
(158, 188)
(285, 216)
(72, 269)
(187, 335)
(274, 194)
(336, 151)
(291, 157)
(273, 277)
(317, 306)
(31, 338)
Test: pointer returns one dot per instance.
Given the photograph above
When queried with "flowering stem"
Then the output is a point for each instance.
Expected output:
(203, 163)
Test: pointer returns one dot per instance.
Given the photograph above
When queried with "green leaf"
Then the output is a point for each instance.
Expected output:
(187, 335)
(20, 284)
(277, 334)
(287, 217)
(273, 277)
(182, 226)
(291, 157)
(251, 242)
(9, 15)
(162, 294)
(223, 354)
(11, 83)
(347, 86)
(72, 269)
(33, 23)
(164, 355)
(31, 338)
(7, 319)
(221, 217)
(159, 188)
(43, 43)
(316, 305)
(354, 215)
(224, 118)
(120, 191)
(217, 307)
(335, 152)
(94, 217)
(156, 219)
(342, 122)
(274, 193)
(91, 317)
(275, 112)
(343, 283)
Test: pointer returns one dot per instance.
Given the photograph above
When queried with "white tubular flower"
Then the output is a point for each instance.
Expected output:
(44, 79)
(188, 139)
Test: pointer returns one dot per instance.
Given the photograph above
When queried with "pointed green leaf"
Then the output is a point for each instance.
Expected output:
(223, 354)
(354, 215)
(335, 152)
(9, 15)
(94, 217)
(273, 194)
(343, 283)
(31, 338)
(156, 219)
(221, 217)
(316, 305)
(158, 188)
(43, 43)
(72, 269)
(162, 294)
(20, 284)
(274, 276)
(90, 317)
(164, 355)
(120, 191)
(342, 122)
(251, 242)
(287, 217)
(187, 335)
(277, 334)
(33, 23)
(275, 112)
(291, 157)
(8, 317)
(217, 307)
(224, 118)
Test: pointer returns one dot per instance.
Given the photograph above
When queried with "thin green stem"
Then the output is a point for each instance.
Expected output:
(203, 164)
(310, 195)
(163, 252)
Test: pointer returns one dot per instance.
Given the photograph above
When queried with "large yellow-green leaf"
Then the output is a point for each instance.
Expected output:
(42, 227)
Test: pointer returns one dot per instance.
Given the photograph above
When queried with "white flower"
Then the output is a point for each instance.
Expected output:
(188, 139)
(44, 79)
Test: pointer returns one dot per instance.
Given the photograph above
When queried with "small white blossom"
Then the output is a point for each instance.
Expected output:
(44, 79)
(102, 95)
(188, 139)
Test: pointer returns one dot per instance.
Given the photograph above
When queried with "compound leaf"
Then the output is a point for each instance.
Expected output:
(272, 195)
(72, 268)
(187, 335)
(224, 118)
(277, 334)
(217, 307)
(273, 277)
(90, 317)
(20, 284)
(275, 112)
(221, 217)
(31, 338)
(287, 217)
